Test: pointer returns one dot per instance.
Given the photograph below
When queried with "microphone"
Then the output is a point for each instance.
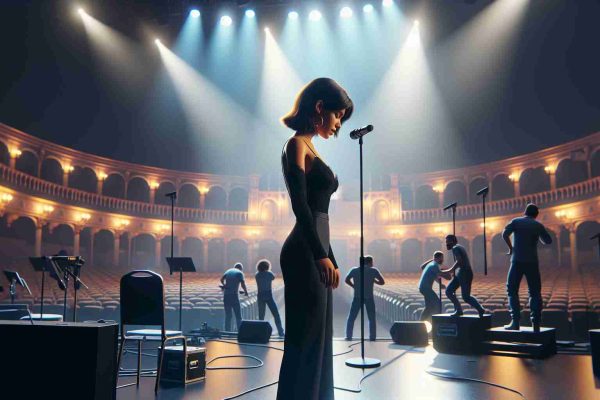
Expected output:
(449, 206)
(171, 194)
(596, 236)
(483, 191)
(360, 132)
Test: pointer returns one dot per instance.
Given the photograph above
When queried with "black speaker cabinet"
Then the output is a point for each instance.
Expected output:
(409, 333)
(460, 335)
(595, 344)
(183, 368)
(55, 360)
(254, 331)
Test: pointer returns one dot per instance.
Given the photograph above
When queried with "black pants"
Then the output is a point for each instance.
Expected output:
(266, 299)
(534, 283)
(432, 304)
(231, 303)
(354, 309)
(307, 366)
(464, 279)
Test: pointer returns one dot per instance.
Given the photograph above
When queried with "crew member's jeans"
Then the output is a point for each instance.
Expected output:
(432, 304)
(266, 299)
(231, 303)
(464, 279)
(354, 309)
(532, 274)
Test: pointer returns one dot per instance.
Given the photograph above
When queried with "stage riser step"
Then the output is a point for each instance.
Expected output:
(535, 350)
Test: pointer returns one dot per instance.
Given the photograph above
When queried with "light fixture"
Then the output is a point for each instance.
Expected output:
(387, 3)
(293, 15)
(346, 12)
(195, 13)
(314, 15)
(250, 13)
(368, 8)
(226, 20)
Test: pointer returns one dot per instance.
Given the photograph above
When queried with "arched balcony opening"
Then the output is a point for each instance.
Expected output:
(237, 251)
(534, 180)
(587, 250)
(142, 251)
(20, 239)
(406, 195)
(455, 191)
(268, 211)
(104, 245)
(548, 254)
(4, 154)
(270, 249)
(52, 171)
(194, 248)
(188, 196)
(411, 255)
(138, 190)
(160, 194)
(216, 256)
(61, 238)
(27, 162)
(216, 199)
(381, 251)
(114, 186)
(476, 185)
(432, 245)
(425, 198)
(477, 262)
(569, 172)
(83, 178)
(381, 212)
(595, 161)
(238, 199)
(502, 188)
(498, 258)
(165, 251)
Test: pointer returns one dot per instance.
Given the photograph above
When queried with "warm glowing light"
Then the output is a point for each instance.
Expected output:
(195, 13)
(253, 232)
(564, 213)
(154, 185)
(226, 20)
(204, 189)
(122, 223)
(514, 177)
(396, 232)
(162, 228)
(387, 3)
(353, 233)
(210, 231)
(46, 208)
(438, 229)
(346, 12)
(84, 217)
(250, 13)
(315, 15)
(102, 176)
(550, 168)
(68, 168)
(6, 198)
(14, 152)
(368, 8)
(428, 326)
(293, 15)
(438, 188)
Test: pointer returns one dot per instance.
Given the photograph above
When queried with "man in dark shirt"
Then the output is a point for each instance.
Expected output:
(372, 275)
(526, 233)
(264, 278)
(462, 278)
(231, 280)
(431, 273)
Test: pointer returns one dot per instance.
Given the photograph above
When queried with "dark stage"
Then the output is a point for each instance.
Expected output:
(402, 375)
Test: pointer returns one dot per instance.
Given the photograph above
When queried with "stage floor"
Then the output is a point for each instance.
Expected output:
(402, 375)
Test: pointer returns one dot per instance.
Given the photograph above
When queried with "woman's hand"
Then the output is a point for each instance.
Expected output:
(329, 275)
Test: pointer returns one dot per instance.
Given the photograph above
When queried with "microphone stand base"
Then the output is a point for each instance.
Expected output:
(359, 362)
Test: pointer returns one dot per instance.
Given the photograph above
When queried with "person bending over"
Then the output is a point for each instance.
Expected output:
(432, 272)
(231, 281)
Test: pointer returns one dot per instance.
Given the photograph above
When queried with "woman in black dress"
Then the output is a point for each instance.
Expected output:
(307, 262)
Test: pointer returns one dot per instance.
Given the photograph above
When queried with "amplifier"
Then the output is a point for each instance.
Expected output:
(460, 335)
(59, 360)
(183, 368)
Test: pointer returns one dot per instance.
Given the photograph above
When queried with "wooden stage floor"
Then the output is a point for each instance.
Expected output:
(403, 375)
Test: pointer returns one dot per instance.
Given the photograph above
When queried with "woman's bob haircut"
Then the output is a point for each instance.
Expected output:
(303, 115)
(263, 265)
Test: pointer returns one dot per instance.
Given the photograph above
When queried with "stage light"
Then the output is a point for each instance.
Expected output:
(195, 13)
(314, 15)
(387, 3)
(266, 29)
(250, 13)
(346, 12)
(416, 23)
(81, 11)
(157, 42)
(226, 20)
(368, 8)
(293, 15)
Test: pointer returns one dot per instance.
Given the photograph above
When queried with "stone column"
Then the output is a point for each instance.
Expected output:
(205, 254)
(157, 252)
(573, 244)
(552, 180)
(91, 257)
(152, 194)
(65, 180)
(517, 187)
(202, 200)
(129, 249)
(76, 240)
(116, 248)
(38, 238)
(99, 186)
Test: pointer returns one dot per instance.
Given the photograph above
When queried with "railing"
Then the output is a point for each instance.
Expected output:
(577, 191)
(32, 185)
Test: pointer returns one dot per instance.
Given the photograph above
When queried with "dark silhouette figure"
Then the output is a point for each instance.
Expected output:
(372, 276)
(432, 272)
(527, 232)
(264, 277)
(231, 281)
(462, 278)
(307, 262)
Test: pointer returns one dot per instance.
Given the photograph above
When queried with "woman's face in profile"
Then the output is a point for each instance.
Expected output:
(332, 122)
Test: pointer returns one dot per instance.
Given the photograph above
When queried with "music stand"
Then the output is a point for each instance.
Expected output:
(15, 279)
(181, 264)
(64, 265)
(42, 264)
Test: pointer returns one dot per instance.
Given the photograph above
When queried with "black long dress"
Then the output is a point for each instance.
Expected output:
(307, 366)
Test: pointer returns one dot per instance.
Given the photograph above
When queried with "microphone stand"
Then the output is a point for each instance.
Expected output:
(173, 196)
(362, 362)
(483, 193)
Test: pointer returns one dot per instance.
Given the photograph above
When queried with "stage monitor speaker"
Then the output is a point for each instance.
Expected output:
(56, 360)
(254, 331)
(409, 333)
(595, 345)
(460, 335)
